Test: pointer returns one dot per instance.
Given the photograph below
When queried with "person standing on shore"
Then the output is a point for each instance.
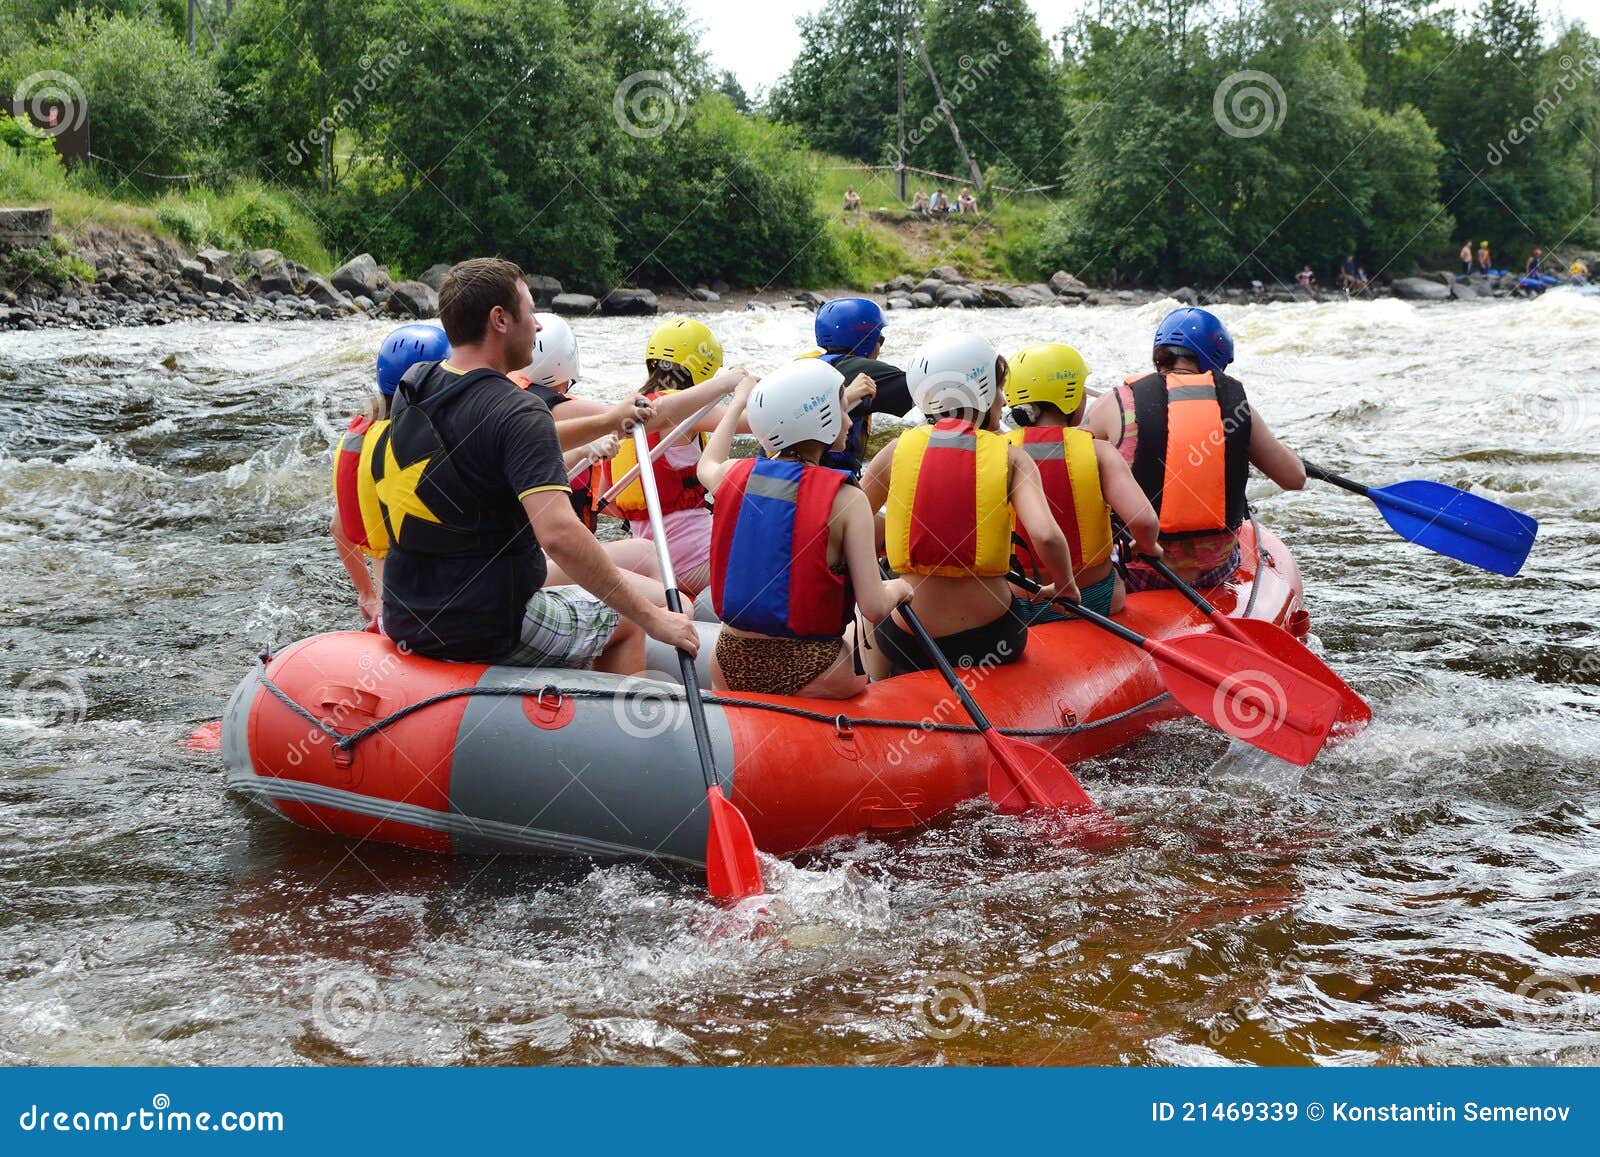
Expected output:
(1466, 258)
(1483, 258)
(472, 483)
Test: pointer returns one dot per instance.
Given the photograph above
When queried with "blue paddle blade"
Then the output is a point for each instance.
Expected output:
(1458, 524)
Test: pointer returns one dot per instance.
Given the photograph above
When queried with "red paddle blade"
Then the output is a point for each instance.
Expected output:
(1354, 714)
(1024, 776)
(732, 870)
(1248, 694)
(206, 737)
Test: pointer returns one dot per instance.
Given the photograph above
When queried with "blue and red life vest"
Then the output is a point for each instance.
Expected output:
(769, 551)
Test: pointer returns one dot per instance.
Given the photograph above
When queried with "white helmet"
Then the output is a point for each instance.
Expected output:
(555, 352)
(953, 373)
(799, 402)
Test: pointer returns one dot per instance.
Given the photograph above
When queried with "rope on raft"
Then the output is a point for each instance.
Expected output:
(345, 741)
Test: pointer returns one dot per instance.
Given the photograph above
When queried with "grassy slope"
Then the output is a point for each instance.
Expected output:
(886, 239)
(247, 215)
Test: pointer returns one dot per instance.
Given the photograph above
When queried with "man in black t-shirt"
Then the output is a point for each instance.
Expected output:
(474, 493)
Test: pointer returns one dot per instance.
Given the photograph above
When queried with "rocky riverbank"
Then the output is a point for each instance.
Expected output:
(113, 279)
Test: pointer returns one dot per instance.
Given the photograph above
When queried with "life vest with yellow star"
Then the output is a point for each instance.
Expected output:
(462, 564)
(422, 504)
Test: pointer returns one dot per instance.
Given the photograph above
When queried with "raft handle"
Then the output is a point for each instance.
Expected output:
(842, 728)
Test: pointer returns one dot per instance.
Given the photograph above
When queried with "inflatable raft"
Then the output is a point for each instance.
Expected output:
(344, 734)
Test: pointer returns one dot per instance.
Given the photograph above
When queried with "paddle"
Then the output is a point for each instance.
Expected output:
(662, 447)
(1449, 521)
(1354, 714)
(1239, 690)
(1021, 775)
(732, 871)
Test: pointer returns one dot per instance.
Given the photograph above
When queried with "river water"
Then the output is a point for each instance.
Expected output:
(1429, 893)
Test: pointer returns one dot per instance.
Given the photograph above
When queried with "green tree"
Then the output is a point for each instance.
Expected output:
(299, 73)
(1504, 172)
(1003, 88)
(728, 85)
(1244, 153)
(840, 91)
(154, 110)
(1576, 56)
(724, 196)
(498, 136)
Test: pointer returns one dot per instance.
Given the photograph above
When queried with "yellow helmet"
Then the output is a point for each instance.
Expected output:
(1052, 373)
(688, 344)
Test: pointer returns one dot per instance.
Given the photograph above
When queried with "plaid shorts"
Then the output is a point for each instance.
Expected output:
(563, 627)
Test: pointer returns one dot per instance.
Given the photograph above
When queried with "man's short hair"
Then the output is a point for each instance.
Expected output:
(471, 290)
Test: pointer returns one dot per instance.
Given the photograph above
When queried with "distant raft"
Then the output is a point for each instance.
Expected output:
(344, 734)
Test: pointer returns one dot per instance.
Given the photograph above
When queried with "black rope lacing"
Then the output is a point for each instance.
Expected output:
(344, 741)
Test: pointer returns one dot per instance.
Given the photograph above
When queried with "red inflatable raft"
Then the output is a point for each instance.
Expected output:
(343, 733)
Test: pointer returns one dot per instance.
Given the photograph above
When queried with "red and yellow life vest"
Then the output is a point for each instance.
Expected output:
(1070, 474)
(1192, 456)
(355, 495)
(769, 551)
(679, 486)
(949, 510)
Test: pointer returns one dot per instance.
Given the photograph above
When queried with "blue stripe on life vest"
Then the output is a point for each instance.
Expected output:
(755, 592)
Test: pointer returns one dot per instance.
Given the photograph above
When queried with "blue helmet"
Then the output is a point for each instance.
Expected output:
(404, 348)
(853, 324)
(1201, 333)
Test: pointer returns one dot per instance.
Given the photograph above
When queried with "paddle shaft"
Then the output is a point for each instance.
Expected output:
(945, 669)
(1165, 653)
(669, 579)
(1339, 480)
(662, 447)
(1223, 623)
(1484, 534)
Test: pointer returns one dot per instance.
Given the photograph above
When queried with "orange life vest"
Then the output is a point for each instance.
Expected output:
(1192, 456)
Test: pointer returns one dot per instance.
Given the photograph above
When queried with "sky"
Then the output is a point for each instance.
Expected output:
(757, 39)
